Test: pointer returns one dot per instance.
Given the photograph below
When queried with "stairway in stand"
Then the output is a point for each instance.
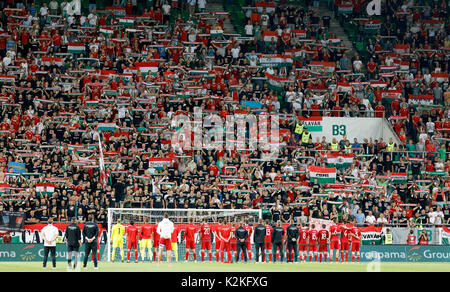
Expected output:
(217, 5)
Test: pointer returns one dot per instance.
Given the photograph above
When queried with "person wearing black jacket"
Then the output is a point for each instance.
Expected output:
(292, 234)
(73, 242)
(258, 238)
(90, 233)
(277, 241)
(241, 235)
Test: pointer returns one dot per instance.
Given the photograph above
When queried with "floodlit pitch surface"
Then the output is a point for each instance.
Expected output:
(240, 267)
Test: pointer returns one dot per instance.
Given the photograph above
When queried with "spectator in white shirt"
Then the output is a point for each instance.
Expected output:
(249, 29)
(49, 234)
(53, 5)
(201, 5)
(370, 219)
(44, 10)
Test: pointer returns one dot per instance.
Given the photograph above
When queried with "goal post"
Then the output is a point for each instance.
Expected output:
(177, 216)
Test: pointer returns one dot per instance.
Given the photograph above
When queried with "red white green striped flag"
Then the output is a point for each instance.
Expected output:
(76, 48)
(339, 160)
(322, 174)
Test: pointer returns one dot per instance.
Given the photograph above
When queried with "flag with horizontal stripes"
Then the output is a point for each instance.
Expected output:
(215, 33)
(48, 60)
(76, 48)
(126, 21)
(16, 167)
(270, 36)
(5, 189)
(339, 160)
(159, 162)
(146, 67)
(107, 31)
(399, 177)
(45, 189)
(106, 127)
(322, 174)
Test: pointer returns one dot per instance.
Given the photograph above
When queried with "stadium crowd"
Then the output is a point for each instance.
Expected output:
(68, 79)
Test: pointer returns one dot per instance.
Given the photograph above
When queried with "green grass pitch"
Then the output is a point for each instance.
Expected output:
(233, 267)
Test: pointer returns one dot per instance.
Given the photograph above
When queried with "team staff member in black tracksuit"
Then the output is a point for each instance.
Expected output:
(73, 241)
(292, 235)
(258, 238)
(241, 235)
(277, 241)
(90, 233)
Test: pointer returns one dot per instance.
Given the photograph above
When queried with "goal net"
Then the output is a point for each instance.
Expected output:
(179, 217)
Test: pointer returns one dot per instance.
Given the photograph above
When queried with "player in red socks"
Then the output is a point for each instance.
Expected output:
(355, 237)
(312, 242)
(302, 244)
(225, 237)
(189, 236)
(233, 226)
(324, 239)
(132, 233)
(268, 242)
(334, 241)
(345, 233)
(205, 238)
(217, 239)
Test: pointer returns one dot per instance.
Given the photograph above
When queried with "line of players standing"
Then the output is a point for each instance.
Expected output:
(269, 241)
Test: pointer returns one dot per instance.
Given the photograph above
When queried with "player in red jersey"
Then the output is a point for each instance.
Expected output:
(268, 242)
(155, 240)
(189, 236)
(345, 233)
(324, 239)
(249, 229)
(174, 240)
(302, 244)
(205, 238)
(146, 239)
(225, 237)
(356, 238)
(312, 242)
(132, 239)
(217, 239)
(234, 226)
(334, 241)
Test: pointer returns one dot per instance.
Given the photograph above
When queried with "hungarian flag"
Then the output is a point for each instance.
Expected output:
(107, 31)
(159, 162)
(275, 60)
(317, 66)
(102, 164)
(276, 83)
(270, 36)
(5, 189)
(7, 78)
(47, 60)
(126, 21)
(106, 127)
(344, 87)
(298, 33)
(400, 177)
(215, 33)
(76, 48)
(440, 76)
(371, 234)
(339, 160)
(423, 99)
(445, 236)
(322, 174)
(146, 67)
(401, 48)
(45, 189)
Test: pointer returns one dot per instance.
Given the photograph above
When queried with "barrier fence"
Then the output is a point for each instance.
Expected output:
(369, 253)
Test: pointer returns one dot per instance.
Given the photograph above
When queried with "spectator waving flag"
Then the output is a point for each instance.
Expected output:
(445, 236)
